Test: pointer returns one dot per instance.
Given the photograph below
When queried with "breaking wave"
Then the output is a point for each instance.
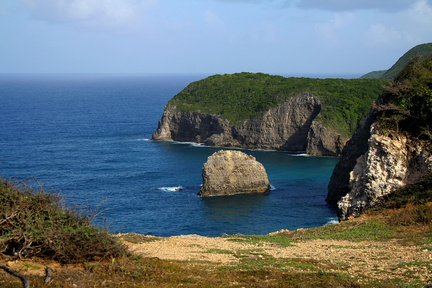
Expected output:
(171, 189)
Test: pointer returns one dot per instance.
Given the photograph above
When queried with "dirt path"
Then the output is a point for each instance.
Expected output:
(373, 259)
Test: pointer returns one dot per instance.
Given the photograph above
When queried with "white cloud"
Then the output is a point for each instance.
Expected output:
(421, 13)
(266, 32)
(246, 1)
(381, 36)
(411, 27)
(213, 20)
(331, 30)
(386, 6)
(96, 13)
(352, 5)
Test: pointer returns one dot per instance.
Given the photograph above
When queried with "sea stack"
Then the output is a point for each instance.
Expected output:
(229, 172)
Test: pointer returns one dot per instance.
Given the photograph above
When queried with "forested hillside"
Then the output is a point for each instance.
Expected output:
(240, 96)
(422, 51)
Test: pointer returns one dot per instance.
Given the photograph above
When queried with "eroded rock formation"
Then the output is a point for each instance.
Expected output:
(354, 148)
(374, 164)
(229, 172)
(290, 126)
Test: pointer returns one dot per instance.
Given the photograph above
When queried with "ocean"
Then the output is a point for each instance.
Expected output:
(87, 137)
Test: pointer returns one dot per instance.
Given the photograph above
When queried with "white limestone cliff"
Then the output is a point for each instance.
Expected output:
(390, 162)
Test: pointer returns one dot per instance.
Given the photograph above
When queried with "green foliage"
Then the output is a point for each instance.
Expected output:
(372, 230)
(241, 96)
(33, 223)
(411, 215)
(261, 239)
(422, 51)
(374, 74)
(407, 104)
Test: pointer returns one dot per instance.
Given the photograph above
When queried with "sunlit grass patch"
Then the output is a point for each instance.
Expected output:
(219, 251)
(369, 230)
(260, 240)
(136, 238)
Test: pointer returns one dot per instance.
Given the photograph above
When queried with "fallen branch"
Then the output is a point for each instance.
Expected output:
(48, 273)
(24, 281)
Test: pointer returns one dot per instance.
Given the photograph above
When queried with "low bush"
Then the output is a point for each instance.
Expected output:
(415, 199)
(406, 105)
(417, 193)
(412, 214)
(33, 222)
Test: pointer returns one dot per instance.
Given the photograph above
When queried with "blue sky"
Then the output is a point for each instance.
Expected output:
(288, 37)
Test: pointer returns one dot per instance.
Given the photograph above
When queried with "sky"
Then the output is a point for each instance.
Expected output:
(285, 37)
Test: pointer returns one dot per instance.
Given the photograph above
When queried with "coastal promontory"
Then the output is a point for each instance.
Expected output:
(261, 111)
(228, 172)
(393, 146)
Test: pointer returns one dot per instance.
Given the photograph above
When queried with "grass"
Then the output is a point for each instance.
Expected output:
(261, 240)
(370, 230)
(255, 267)
(125, 272)
(139, 238)
(219, 251)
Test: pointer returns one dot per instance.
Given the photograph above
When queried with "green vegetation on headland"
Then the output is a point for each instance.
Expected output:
(32, 225)
(241, 96)
(422, 51)
(374, 74)
(406, 105)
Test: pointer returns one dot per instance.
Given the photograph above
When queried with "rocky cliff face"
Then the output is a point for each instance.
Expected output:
(383, 164)
(393, 147)
(233, 172)
(324, 141)
(354, 148)
(290, 126)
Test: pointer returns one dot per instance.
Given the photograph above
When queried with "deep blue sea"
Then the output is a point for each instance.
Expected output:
(87, 137)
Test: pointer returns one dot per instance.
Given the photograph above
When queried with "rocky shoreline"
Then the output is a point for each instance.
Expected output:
(290, 126)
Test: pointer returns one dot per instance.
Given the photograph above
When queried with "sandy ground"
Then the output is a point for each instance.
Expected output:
(373, 259)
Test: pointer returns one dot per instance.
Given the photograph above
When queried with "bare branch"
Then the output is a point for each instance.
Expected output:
(24, 281)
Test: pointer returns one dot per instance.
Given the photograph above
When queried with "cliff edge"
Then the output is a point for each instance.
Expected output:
(289, 126)
(392, 148)
(260, 111)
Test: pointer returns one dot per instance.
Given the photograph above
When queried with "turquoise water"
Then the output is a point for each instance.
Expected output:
(87, 136)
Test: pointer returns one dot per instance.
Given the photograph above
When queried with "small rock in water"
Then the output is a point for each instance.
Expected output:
(228, 172)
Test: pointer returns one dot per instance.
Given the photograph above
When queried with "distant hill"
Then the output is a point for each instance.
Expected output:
(374, 74)
(422, 50)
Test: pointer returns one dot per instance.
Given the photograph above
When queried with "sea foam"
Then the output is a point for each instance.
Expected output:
(171, 189)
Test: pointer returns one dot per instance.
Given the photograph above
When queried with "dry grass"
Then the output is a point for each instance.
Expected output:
(407, 225)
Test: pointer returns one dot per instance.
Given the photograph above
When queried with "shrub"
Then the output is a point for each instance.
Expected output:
(415, 200)
(417, 193)
(412, 214)
(34, 223)
(407, 103)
